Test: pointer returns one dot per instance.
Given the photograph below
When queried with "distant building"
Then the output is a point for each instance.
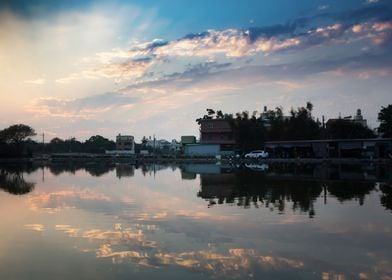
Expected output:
(163, 145)
(265, 116)
(125, 143)
(358, 118)
(216, 131)
(372, 148)
(158, 144)
(175, 146)
(188, 139)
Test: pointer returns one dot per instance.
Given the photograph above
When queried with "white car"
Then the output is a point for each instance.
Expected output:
(257, 167)
(257, 154)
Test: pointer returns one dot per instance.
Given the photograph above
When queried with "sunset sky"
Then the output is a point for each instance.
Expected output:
(82, 68)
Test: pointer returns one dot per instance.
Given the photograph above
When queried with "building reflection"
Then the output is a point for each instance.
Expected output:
(276, 186)
(125, 170)
(294, 186)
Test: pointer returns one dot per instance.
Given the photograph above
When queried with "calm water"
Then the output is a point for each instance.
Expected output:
(118, 221)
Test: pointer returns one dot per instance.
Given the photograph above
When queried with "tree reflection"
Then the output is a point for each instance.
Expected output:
(246, 189)
(95, 169)
(386, 196)
(294, 186)
(343, 190)
(12, 181)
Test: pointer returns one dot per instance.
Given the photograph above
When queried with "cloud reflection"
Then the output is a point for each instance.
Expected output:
(131, 245)
(35, 227)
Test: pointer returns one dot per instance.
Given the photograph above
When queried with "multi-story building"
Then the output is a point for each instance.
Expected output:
(216, 131)
(125, 142)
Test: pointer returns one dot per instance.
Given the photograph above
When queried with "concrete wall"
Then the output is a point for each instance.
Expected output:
(202, 150)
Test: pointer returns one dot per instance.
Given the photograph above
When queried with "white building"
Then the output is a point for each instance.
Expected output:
(162, 144)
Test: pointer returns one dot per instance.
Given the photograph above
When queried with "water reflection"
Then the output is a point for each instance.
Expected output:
(154, 219)
(386, 196)
(272, 186)
(13, 182)
(300, 185)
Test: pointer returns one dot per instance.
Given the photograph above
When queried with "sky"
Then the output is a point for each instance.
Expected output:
(144, 68)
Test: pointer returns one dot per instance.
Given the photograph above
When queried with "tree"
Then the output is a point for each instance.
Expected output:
(13, 138)
(16, 134)
(302, 125)
(99, 144)
(385, 119)
(346, 129)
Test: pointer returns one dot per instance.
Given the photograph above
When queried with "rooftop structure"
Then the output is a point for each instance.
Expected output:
(358, 118)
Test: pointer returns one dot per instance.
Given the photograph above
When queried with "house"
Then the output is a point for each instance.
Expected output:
(125, 146)
(125, 142)
(216, 131)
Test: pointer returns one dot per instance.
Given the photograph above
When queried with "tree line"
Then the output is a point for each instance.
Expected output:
(252, 129)
(15, 141)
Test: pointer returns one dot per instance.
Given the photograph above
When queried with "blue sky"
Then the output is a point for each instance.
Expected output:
(80, 68)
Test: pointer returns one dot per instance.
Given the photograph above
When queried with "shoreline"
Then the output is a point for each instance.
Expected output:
(210, 160)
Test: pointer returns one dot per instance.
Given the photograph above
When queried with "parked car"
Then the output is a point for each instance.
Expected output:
(257, 154)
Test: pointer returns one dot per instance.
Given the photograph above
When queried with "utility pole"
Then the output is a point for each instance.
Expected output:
(154, 144)
(43, 143)
(43, 151)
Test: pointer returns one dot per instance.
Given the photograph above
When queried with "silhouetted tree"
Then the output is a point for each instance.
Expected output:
(385, 119)
(98, 144)
(12, 139)
(347, 129)
(301, 125)
(16, 133)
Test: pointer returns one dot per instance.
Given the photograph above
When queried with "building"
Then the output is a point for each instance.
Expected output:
(163, 145)
(216, 131)
(175, 146)
(357, 119)
(125, 143)
(188, 139)
(373, 148)
(266, 116)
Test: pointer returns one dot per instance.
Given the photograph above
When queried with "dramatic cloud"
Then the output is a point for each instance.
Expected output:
(154, 60)
(157, 79)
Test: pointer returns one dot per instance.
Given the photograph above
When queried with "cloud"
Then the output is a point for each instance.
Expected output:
(86, 107)
(323, 7)
(231, 47)
(36, 81)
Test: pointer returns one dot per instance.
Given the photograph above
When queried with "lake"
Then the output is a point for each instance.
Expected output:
(120, 221)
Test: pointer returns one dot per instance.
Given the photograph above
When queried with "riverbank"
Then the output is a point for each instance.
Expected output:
(173, 159)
